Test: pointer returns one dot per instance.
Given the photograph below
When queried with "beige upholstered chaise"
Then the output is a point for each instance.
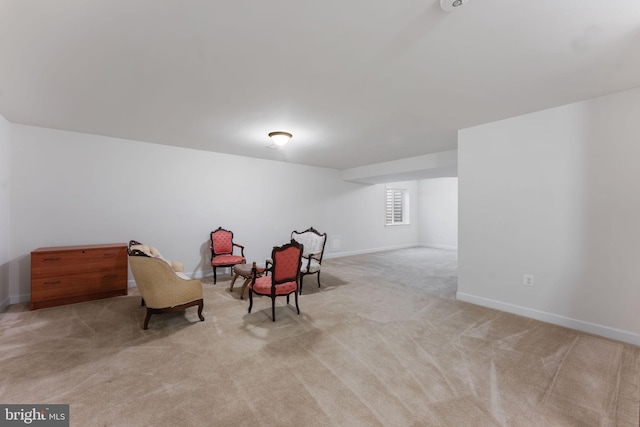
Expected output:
(162, 289)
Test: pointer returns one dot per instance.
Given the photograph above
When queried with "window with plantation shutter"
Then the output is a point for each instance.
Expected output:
(395, 206)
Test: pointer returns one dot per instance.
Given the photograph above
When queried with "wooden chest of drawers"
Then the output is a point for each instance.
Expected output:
(70, 274)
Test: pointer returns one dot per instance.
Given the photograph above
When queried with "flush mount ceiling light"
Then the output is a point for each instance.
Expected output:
(451, 5)
(280, 138)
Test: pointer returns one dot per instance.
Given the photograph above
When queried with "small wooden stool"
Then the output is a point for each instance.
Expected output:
(244, 271)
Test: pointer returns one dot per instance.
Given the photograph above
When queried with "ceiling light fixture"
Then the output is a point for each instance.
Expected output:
(280, 138)
(450, 5)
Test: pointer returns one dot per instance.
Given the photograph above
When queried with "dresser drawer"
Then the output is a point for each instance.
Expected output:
(46, 264)
(50, 287)
(59, 287)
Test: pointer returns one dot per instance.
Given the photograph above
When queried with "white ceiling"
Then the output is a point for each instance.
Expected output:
(357, 82)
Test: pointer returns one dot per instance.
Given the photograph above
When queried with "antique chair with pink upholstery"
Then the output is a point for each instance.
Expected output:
(222, 248)
(313, 242)
(283, 277)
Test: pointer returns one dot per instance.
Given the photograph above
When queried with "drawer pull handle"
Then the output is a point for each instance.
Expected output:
(52, 283)
(109, 276)
(53, 259)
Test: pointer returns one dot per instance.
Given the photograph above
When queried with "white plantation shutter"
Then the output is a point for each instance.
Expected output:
(394, 212)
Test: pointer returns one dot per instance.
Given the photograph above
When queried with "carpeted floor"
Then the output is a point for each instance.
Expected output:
(382, 342)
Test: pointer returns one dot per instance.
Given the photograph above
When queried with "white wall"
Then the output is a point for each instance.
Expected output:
(359, 212)
(438, 210)
(72, 189)
(555, 194)
(5, 182)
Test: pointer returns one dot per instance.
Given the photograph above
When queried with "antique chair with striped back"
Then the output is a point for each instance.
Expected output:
(283, 276)
(222, 248)
(313, 242)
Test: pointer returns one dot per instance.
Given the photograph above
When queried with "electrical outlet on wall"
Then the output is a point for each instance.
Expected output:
(528, 280)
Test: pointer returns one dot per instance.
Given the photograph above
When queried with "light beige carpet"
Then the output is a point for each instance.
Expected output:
(383, 342)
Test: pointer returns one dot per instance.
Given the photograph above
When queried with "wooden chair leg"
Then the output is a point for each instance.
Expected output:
(235, 276)
(250, 299)
(301, 278)
(244, 286)
(180, 307)
(142, 301)
(273, 309)
(318, 279)
(296, 297)
(200, 306)
(215, 278)
(146, 319)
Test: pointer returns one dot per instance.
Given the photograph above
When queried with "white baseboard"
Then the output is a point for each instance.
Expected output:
(199, 274)
(567, 322)
(435, 246)
(341, 254)
(17, 299)
(4, 304)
